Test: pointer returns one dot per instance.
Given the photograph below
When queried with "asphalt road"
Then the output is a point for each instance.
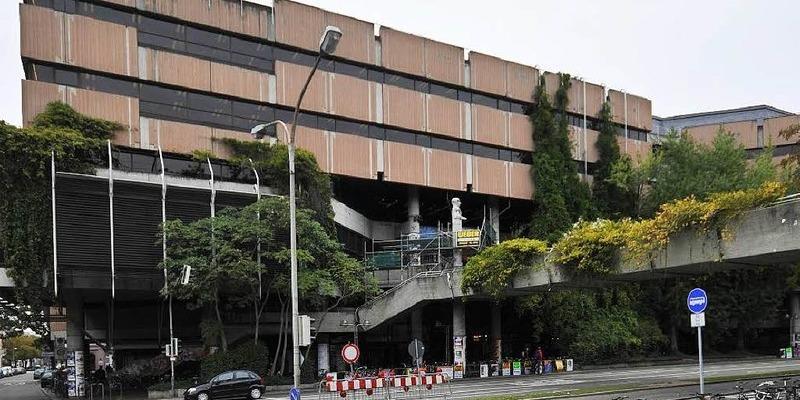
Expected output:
(564, 383)
(21, 387)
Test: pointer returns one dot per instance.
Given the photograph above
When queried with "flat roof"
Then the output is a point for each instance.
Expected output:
(727, 111)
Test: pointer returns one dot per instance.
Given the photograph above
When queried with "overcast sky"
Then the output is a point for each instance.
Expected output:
(685, 55)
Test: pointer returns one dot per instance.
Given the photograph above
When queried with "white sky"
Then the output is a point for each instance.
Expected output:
(685, 55)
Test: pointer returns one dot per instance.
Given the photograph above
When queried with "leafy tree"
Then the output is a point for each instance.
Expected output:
(610, 198)
(25, 219)
(226, 274)
(792, 162)
(560, 197)
(272, 161)
(27, 346)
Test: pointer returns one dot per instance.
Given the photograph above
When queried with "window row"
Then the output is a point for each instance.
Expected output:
(198, 108)
(261, 55)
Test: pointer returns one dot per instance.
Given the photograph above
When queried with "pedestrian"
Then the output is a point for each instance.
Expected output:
(538, 358)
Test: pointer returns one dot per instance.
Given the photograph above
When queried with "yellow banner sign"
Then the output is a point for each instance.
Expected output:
(468, 237)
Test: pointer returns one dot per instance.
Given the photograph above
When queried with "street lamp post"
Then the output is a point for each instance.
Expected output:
(327, 46)
(14, 357)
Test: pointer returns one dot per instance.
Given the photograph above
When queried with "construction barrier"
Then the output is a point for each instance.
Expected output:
(433, 386)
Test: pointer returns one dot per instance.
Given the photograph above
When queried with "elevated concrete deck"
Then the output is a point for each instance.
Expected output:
(762, 237)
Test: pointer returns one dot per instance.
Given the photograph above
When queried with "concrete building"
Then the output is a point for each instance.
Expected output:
(404, 123)
(755, 127)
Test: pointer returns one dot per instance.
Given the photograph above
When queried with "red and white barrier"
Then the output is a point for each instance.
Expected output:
(355, 384)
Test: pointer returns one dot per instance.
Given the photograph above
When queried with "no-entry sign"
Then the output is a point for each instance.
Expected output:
(350, 353)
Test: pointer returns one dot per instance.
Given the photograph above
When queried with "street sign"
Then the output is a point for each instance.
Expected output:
(416, 349)
(294, 394)
(698, 320)
(350, 353)
(697, 300)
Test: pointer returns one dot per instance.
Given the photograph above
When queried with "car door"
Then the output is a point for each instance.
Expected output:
(243, 382)
(222, 386)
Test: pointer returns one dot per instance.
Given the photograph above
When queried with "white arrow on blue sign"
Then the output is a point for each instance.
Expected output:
(294, 394)
(697, 300)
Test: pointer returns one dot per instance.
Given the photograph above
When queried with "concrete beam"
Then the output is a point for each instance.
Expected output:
(765, 236)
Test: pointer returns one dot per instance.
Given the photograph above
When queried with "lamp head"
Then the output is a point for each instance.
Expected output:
(261, 130)
(329, 40)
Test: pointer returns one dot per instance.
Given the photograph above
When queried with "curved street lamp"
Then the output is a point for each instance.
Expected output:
(327, 46)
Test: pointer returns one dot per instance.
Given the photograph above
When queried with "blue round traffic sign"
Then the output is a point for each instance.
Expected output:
(697, 300)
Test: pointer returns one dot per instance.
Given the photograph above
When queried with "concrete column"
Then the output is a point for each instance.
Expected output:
(794, 318)
(459, 338)
(413, 210)
(457, 225)
(416, 323)
(494, 218)
(497, 336)
(75, 323)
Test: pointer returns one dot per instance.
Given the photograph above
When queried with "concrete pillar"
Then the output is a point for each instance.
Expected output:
(494, 218)
(413, 211)
(794, 318)
(459, 338)
(75, 323)
(416, 323)
(497, 336)
(457, 225)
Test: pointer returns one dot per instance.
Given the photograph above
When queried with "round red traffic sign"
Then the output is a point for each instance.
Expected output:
(350, 353)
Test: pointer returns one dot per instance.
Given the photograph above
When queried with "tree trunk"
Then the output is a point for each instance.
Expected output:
(673, 339)
(222, 339)
(280, 340)
(285, 341)
(740, 333)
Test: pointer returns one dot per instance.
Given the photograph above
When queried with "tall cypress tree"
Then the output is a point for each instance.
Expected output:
(610, 199)
(560, 198)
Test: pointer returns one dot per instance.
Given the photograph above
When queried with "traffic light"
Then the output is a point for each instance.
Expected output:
(307, 332)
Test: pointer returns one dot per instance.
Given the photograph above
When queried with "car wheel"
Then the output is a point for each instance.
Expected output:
(255, 393)
(203, 396)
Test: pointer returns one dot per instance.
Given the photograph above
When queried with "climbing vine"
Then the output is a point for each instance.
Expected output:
(25, 218)
(611, 199)
(492, 270)
(560, 197)
(594, 247)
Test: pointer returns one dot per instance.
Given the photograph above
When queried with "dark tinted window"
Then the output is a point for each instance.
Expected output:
(465, 148)
(207, 38)
(44, 73)
(349, 69)
(504, 155)
(224, 377)
(504, 105)
(305, 119)
(253, 62)
(69, 78)
(110, 85)
(352, 128)
(484, 100)
(249, 48)
(517, 108)
(326, 124)
(208, 52)
(162, 28)
(208, 103)
(376, 132)
(106, 14)
(245, 110)
(424, 140)
(161, 95)
(421, 86)
(465, 96)
(401, 81)
(400, 136)
(244, 123)
(521, 157)
(163, 42)
(484, 151)
(209, 118)
(440, 90)
(444, 144)
(294, 57)
(375, 76)
(148, 109)
(326, 65)
(284, 115)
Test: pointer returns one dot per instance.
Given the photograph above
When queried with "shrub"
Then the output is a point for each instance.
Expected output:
(249, 356)
(492, 270)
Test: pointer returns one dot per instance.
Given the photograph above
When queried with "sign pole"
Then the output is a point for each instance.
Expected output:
(700, 354)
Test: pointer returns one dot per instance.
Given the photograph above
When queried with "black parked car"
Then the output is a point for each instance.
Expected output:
(239, 384)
